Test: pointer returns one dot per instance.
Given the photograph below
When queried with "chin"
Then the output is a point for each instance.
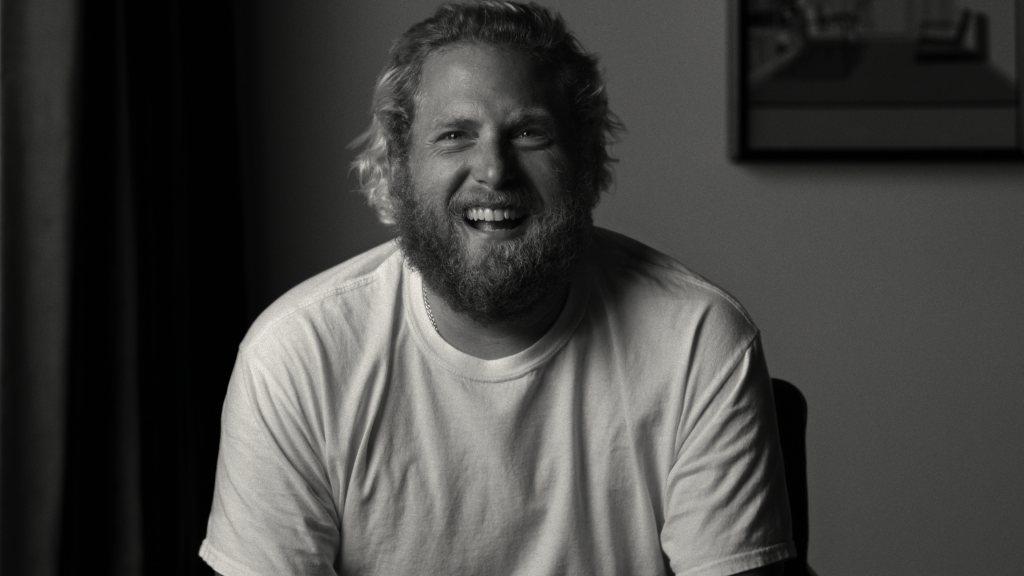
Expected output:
(493, 272)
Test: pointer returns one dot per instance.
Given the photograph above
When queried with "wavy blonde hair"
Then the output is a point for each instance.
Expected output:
(530, 28)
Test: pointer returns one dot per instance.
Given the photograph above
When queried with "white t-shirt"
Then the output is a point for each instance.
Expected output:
(356, 441)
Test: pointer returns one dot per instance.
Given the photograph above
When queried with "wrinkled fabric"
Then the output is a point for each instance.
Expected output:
(355, 440)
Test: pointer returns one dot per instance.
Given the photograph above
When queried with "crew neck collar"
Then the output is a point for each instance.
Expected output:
(500, 369)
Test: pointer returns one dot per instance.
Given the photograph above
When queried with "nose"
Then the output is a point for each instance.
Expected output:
(493, 165)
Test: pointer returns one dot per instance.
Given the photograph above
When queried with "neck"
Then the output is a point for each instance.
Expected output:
(495, 340)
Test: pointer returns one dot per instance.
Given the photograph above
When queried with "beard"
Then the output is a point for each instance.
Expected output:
(504, 281)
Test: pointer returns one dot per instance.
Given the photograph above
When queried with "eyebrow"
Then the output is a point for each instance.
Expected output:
(446, 122)
(519, 117)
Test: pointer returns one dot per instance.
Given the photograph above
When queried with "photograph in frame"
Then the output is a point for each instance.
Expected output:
(876, 79)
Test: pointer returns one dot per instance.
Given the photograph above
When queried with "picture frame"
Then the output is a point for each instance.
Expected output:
(876, 79)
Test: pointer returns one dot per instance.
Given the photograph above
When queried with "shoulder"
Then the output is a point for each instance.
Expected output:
(338, 299)
(650, 288)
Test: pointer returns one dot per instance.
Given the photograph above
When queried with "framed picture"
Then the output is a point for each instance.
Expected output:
(898, 79)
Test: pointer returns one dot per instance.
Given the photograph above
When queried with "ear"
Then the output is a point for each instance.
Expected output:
(382, 200)
(384, 206)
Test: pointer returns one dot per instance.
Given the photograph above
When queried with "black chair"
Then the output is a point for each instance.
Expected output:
(791, 410)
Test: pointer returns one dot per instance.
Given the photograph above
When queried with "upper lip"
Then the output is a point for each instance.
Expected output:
(497, 214)
(465, 207)
(491, 206)
(495, 200)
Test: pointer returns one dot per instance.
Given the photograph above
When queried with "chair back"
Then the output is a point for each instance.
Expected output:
(791, 410)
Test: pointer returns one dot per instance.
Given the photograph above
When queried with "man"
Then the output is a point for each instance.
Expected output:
(504, 389)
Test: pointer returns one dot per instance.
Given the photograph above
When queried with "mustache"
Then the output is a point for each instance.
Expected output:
(522, 199)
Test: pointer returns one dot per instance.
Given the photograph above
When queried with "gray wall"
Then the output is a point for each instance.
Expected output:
(889, 293)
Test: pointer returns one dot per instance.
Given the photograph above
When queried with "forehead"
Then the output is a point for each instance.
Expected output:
(474, 80)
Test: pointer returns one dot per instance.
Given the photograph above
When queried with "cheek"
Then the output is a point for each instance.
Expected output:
(550, 173)
(436, 176)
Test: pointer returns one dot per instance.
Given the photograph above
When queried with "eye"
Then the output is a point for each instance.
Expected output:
(453, 140)
(531, 138)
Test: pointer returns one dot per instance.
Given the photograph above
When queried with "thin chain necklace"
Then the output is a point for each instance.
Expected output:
(430, 314)
(426, 304)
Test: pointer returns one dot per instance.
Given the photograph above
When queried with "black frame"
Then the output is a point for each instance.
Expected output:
(740, 148)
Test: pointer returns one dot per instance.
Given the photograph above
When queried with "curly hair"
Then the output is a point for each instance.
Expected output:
(529, 28)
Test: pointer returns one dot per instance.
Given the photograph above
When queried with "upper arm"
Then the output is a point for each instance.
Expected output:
(273, 510)
(726, 504)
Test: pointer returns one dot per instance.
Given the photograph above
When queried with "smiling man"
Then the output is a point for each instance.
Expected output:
(504, 389)
(490, 207)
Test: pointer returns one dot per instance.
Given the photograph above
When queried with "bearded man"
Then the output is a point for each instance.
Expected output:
(504, 389)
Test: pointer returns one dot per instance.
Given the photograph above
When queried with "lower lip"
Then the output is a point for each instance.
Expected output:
(502, 234)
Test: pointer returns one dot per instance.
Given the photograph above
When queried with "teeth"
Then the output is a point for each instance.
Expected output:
(495, 215)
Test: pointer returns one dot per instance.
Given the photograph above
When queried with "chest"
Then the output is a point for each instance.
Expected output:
(457, 475)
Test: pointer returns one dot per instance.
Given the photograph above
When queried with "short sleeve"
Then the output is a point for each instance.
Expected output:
(726, 504)
(273, 511)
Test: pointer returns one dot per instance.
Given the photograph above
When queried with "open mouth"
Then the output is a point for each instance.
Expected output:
(488, 219)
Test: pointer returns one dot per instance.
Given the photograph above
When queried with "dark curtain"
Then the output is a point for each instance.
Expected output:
(123, 288)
